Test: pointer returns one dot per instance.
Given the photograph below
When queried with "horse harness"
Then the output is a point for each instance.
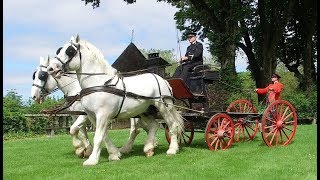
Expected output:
(73, 49)
(43, 76)
(110, 88)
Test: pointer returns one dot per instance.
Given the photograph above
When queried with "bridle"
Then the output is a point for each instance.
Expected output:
(71, 51)
(43, 76)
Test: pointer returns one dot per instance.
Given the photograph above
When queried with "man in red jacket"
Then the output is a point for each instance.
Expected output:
(273, 90)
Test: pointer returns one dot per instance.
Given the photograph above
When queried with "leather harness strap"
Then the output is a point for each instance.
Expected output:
(69, 100)
(114, 91)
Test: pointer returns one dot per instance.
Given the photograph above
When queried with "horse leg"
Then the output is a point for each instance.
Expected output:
(171, 117)
(84, 136)
(134, 131)
(100, 133)
(150, 126)
(80, 143)
(114, 153)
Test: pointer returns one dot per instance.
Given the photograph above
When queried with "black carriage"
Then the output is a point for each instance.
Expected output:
(240, 121)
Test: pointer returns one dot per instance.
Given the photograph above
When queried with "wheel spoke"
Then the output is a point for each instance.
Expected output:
(242, 130)
(280, 111)
(269, 119)
(288, 129)
(287, 116)
(289, 122)
(217, 143)
(271, 132)
(226, 125)
(285, 112)
(212, 136)
(247, 131)
(281, 137)
(277, 136)
(285, 133)
(221, 146)
(272, 138)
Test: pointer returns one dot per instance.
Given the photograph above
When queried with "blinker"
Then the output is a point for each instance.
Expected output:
(58, 51)
(71, 51)
(43, 75)
(34, 75)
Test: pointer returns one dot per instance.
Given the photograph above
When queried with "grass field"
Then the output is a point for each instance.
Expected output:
(53, 158)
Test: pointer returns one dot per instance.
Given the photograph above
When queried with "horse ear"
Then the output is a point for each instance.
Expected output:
(46, 61)
(77, 40)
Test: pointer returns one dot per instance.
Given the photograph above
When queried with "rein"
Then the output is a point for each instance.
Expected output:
(69, 100)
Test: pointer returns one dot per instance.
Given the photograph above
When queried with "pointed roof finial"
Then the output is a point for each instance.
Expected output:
(132, 34)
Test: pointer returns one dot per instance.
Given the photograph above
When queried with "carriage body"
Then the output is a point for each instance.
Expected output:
(239, 122)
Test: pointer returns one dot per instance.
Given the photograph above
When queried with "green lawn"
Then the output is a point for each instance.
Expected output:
(53, 158)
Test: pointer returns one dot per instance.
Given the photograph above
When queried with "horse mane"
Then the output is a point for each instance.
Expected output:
(97, 55)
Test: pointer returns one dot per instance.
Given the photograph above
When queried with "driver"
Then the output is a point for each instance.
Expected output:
(192, 58)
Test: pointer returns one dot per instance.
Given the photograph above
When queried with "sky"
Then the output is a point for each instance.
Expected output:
(37, 28)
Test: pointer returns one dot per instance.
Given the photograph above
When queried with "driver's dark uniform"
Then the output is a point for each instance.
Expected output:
(195, 57)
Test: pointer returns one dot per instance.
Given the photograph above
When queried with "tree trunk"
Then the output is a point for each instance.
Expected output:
(308, 26)
(227, 59)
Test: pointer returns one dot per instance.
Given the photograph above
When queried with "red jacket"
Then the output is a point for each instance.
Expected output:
(273, 91)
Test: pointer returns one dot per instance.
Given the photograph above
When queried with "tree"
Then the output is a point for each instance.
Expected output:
(298, 44)
(257, 27)
(13, 111)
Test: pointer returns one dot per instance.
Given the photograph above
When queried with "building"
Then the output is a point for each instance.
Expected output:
(132, 61)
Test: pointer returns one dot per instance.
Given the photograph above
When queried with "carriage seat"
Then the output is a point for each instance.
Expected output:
(204, 72)
(181, 90)
(201, 68)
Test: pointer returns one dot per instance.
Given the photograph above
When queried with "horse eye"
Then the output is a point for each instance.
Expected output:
(58, 51)
(70, 51)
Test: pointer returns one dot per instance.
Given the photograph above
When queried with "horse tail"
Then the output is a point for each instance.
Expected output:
(178, 119)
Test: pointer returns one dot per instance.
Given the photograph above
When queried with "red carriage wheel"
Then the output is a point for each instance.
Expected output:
(186, 137)
(279, 123)
(219, 132)
(244, 130)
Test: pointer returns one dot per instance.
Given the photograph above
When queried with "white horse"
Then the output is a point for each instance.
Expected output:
(44, 84)
(106, 95)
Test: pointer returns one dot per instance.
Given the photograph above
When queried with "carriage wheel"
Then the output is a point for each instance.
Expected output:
(244, 130)
(279, 123)
(219, 132)
(186, 137)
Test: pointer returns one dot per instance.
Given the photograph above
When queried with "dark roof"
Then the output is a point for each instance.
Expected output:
(157, 61)
(131, 59)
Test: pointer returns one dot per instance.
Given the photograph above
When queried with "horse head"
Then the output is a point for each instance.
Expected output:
(68, 58)
(43, 83)
(84, 58)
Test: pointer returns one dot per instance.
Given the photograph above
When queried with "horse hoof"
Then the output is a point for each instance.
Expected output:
(114, 157)
(80, 152)
(125, 150)
(90, 162)
(149, 153)
(171, 152)
(87, 151)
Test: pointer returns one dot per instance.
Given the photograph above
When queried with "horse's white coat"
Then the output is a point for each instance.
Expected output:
(105, 106)
(70, 86)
